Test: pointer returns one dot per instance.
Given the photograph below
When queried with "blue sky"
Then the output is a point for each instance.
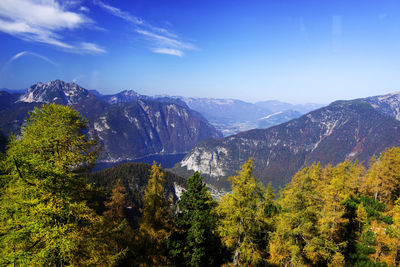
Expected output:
(295, 51)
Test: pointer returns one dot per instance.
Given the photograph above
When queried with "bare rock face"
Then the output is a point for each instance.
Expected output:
(57, 91)
(127, 125)
(343, 130)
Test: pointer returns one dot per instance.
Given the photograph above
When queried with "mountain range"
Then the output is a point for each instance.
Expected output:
(355, 129)
(135, 127)
(127, 127)
(232, 116)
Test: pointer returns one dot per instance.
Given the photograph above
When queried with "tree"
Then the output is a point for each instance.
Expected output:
(242, 221)
(116, 204)
(383, 177)
(156, 222)
(44, 219)
(198, 241)
(313, 225)
(295, 239)
(120, 235)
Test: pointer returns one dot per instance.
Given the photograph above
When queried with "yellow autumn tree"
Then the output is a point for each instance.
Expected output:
(156, 223)
(383, 178)
(121, 234)
(242, 221)
(310, 228)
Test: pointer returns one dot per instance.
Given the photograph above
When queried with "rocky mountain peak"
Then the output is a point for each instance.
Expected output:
(56, 91)
(124, 97)
(388, 104)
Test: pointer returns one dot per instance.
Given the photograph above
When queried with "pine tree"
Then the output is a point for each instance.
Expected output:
(361, 215)
(44, 219)
(156, 222)
(196, 218)
(120, 235)
(116, 204)
(312, 227)
(294, 242)
(242, 221)
(383, 178)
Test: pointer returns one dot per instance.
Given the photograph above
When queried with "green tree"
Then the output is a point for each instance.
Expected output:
(199, 244)
(44, 219)
(242, 219)
(156, 223)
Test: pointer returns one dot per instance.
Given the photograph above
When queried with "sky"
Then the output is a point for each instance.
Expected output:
(294, 51)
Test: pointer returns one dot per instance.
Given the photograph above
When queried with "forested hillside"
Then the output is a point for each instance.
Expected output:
(55, 213)
(344, 130)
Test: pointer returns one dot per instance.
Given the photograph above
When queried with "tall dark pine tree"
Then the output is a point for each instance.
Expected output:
(199, 245)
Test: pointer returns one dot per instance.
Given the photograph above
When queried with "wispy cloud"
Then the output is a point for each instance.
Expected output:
(28, 53)
(77, 78)
(43, 21)
(160, 40)
(168, 51)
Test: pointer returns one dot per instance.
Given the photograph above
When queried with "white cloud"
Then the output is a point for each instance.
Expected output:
(84, 9)
(163, 40)
(119, 13)
(168, 51)
(77, 78)
(27, 53)
(43, 21)
(89, 48)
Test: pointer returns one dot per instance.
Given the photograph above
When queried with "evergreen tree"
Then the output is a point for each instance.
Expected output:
(242, 219)
(116, 204)
(296, 226)
(383, 178)
(120, 234)
(156, 222)
(196, 219)
(312, 228)
(44, 219)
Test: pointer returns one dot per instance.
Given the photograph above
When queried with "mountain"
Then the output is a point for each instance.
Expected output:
(387, 104)
(278, 106)
(232, 116)
(146, 127)
(277, 118)
(128, 128)
(124, 97)
(57, 91)
(357, 129)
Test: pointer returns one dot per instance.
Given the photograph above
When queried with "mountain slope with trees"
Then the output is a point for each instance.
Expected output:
(342, 215)
(127, 130)
(343, 130)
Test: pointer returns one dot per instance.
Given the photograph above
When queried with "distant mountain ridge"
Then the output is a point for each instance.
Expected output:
(230, 116)
(356, 129)
(127, 126)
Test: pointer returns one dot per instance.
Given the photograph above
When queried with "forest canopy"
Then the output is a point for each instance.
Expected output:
(51, 214)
